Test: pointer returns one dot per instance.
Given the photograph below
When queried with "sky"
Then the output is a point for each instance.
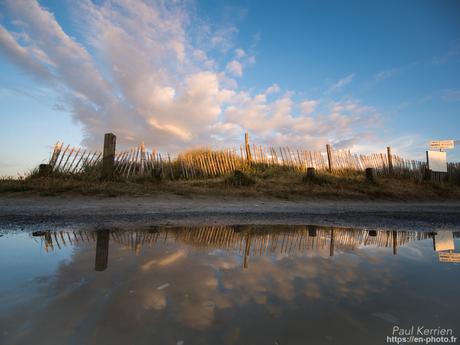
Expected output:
(360, 75)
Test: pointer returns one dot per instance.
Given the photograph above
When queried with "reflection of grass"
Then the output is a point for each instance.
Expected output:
(269, 182)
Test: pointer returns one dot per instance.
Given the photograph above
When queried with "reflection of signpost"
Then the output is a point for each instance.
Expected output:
(444, 244)
(449, 257)
(444, 240)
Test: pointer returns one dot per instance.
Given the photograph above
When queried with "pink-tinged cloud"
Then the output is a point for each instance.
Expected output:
(142, 74)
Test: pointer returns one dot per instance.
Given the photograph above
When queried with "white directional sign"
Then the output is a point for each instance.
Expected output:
(441, 144)
(437, 161)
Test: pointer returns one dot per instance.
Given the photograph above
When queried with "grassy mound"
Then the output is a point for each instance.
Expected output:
(251, 182)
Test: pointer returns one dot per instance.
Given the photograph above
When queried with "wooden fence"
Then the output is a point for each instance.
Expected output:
(248, 240)
(206, 163)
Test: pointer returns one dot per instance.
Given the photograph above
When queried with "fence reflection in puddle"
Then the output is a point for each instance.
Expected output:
(249, 240)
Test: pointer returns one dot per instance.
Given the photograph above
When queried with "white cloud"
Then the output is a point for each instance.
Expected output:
(341, 83)
(141, 74)
(199, 55)
(235, 68)
(386, 74)
(273, 89)
(275, 122)
(20, 55)
(223, 38)
(240, 53)
(308, 106)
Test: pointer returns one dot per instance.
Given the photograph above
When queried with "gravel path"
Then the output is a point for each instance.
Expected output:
(34, 212)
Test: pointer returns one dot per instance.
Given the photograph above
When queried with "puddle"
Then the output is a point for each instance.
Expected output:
(225, 285)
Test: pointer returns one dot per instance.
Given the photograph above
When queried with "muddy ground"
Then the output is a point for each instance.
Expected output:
(36, 212)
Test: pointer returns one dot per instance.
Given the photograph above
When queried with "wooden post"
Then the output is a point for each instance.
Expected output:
(142, 166)
(428, 172)
(102, 250)
(56, 153)
(108, 159)
(390, 161)
(310, 173)
(45, 170)
(247, 147)
(329, 156)
(370, 174)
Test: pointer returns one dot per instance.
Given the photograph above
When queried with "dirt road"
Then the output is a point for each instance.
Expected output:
(33, 212)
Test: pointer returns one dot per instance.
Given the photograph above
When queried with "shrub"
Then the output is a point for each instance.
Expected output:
(239, 179)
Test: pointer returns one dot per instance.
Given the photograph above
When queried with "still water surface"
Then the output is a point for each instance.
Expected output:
(225, 285)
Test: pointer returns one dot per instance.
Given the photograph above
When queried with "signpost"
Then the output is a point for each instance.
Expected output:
(437, 160)
(441, 144)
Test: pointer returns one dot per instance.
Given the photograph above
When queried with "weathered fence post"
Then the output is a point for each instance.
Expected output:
(428, 174)
(310, 173)
(142, 167)
(247, 147)
(45, 170)
(370, 174)
(390, 161)
(56, 153)
(329, 156)
(108, 158)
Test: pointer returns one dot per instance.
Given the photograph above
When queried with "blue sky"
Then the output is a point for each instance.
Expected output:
(359, 74)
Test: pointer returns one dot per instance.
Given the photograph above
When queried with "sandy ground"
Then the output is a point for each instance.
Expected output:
(35, 212)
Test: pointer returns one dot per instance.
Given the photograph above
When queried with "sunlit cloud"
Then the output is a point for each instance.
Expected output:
(235, 68)
(141, 72)
(273, 89)
(308, 106)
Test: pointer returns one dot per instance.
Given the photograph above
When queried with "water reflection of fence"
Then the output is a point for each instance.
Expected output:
(245, 240)
(204, 163)
(290, 240)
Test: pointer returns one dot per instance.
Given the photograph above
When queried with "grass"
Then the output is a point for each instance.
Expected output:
(252, 182)
(239, 179)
